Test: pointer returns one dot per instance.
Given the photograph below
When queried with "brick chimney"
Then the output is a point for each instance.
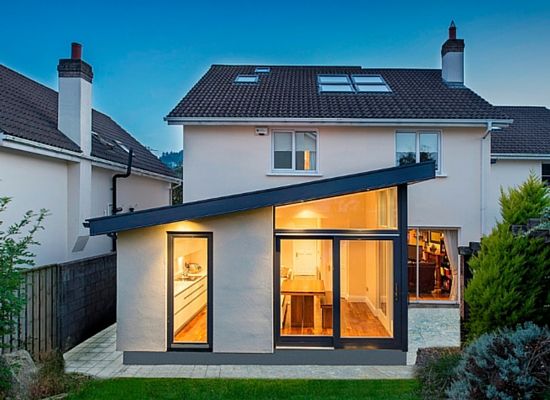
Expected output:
(75, 99)
(452, 58)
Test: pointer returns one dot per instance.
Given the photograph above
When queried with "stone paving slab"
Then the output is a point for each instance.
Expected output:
(428, 327)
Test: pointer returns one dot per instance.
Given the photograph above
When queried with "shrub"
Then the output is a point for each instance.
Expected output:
(436, 372)
(14, 254)
(5, 378)
(507, 364)
(511, 283)
(52, 379)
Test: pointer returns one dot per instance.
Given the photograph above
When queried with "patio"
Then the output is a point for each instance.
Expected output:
(428, 327)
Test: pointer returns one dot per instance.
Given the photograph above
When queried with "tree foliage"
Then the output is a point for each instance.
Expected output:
(511, 282)
(15, 242)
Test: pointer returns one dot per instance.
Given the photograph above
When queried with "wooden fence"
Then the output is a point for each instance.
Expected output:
(65, 304)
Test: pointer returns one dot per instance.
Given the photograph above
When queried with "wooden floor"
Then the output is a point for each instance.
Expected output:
(194, 331)
(357, 321)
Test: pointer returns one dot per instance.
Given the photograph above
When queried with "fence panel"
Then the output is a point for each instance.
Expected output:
(65, 304)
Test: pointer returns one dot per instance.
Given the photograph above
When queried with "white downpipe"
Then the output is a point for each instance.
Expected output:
(484, 178)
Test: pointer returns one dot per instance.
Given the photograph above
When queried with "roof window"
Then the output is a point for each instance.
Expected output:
(352, 84)
(335, 83)
(262, 70)
(246, 79)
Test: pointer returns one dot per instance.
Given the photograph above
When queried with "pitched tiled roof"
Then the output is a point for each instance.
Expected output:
(528, 134)
(292, 92)
(28, 110)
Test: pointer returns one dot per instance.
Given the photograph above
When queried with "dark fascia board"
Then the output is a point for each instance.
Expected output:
(282, 195)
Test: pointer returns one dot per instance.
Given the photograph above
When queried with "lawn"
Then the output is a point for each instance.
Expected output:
(191, 389)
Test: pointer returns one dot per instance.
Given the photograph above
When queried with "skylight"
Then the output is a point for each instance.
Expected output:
(352, 84)
(336, 88)
(335, 83)
(360, 79)
(262, 70)
(246, 79)
(333, 79)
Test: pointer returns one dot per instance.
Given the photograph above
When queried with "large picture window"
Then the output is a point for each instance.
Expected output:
(295, 151)
(413, 147)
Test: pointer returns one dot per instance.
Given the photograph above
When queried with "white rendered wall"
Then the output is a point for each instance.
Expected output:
(34, 183)
(135, 191)
(505, 174)
(242, 162)
(243, 284)
(75, 111)
(452, 67)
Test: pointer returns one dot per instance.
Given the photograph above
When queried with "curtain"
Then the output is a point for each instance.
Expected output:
(451, 247)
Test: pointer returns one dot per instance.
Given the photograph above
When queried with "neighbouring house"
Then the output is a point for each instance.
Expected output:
(319, 202)
(58, 153)
(518, 150)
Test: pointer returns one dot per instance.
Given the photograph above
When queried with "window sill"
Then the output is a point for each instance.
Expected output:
(440, 175)
(289, 173)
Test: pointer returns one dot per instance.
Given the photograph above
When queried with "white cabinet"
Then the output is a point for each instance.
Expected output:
(189, 301)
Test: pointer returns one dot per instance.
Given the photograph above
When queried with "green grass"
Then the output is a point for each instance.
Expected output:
(192, 389)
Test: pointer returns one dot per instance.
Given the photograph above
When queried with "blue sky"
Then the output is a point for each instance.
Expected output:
(146, 55)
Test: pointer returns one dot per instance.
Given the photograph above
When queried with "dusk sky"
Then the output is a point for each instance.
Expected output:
(147, 55)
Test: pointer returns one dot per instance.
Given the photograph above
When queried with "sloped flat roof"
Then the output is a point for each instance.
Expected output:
(282, 195)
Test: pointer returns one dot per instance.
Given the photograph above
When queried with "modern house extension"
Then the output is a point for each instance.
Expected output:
(274, 276)
(57, 152)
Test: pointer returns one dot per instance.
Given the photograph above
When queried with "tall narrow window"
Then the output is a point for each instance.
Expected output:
(189, 270)
(295, 151)
(405, 144)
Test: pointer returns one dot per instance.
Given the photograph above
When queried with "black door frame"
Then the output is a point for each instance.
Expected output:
(209, 294)
(336, 341)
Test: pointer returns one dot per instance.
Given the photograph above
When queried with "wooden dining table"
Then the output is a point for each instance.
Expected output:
(304, 301)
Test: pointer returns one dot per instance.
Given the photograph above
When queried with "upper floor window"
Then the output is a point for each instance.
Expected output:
(545, 174)
(294, 151)
(413, 147)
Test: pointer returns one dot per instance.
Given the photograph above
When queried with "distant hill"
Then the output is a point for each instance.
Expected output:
(172, 159)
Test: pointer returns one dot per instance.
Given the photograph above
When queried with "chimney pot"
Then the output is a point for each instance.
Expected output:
(452, 30)
(76, 51)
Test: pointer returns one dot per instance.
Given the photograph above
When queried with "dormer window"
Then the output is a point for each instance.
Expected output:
(246, 79)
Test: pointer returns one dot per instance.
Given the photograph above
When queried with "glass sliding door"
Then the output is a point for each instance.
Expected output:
(189, 293)
(366, 289)
(306, 269)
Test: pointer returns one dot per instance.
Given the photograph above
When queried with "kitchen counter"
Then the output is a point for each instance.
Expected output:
(180, 286)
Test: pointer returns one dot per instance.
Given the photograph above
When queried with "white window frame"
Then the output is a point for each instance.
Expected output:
(293, 170)
(438, 166)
